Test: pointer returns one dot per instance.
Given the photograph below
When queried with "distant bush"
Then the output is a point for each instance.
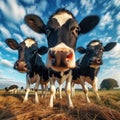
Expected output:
(108, 84)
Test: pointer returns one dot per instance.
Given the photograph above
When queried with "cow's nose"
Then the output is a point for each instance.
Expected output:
(61, 58)
(95, 60)
(21, 66)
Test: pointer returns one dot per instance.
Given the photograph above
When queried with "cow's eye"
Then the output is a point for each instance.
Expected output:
(89, 52)
(75, 31)
(48, 32)
(34, 51)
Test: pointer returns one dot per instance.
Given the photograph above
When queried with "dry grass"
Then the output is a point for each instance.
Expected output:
(12, 108)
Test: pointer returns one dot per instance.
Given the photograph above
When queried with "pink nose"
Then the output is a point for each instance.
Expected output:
(61, 58)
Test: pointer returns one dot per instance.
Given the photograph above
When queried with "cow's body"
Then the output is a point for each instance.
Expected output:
(61, 77)
(88, 67)
(29, 61)
(62, 31)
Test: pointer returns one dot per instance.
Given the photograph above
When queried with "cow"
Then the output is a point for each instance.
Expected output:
(88, 66)
(62, 31)
(30, 62)
(12, 89)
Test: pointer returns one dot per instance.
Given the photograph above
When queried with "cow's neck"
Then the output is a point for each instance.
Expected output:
(36, 66)
(89, 71)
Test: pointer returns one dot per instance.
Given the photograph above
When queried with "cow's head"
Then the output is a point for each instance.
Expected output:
(62, 31)
(27, 53)
(93, 53)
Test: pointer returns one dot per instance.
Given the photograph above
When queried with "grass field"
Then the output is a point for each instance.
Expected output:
(12, 107)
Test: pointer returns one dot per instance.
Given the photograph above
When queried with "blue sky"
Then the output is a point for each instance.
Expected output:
(12, 25)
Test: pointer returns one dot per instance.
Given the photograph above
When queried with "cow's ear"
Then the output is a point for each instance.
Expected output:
(42, 50)
(110, 46)
(81, 50)
(13, 44)
(88, 23)
(35, 23)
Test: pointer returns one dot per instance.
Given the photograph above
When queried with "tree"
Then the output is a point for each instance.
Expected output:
(109, 83)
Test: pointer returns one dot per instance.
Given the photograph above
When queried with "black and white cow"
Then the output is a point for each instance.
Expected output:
(12, 89)
(88, 66)
(30, 61)
(62, 31)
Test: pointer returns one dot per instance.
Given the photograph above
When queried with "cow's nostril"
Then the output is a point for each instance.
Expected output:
(98, 60)
(52, 54)
(53, 62)
(25, 65)
(70, 55)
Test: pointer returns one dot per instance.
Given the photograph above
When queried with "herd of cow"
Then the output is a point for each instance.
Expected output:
(62, 31)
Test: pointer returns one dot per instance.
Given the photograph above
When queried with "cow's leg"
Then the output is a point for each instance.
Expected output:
(36, 89)
(27, 90)
(68, 90)
(42, 88)
(95, 88)
(72, 89)
(52, 91)
(46, 88)
(60, 91)
(85, 89)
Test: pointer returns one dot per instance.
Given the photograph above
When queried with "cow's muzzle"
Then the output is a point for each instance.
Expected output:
(95, 61)
(21, 66)
(61, 58)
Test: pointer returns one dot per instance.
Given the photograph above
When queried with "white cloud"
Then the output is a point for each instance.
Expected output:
(6, 62)
(30, 33)
(113, 56)
(118, 29)
(43, 5)
(6, 82)
(115, 61)
(118, 33)
(37, 10)
(116, 3)
(2, 44)
(118, 38)
(106, 39)
(28, 1)
(88, 5)
(10, 50)
(58, 3)
(106, 20)
(106, 5)
(118, 16)
(34, 10)
(75, 11)
(5, 32)
(12, 10)
(12, 26)
(18, 36)
(72, 7)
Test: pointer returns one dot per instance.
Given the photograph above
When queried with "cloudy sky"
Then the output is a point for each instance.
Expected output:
(12, 25)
